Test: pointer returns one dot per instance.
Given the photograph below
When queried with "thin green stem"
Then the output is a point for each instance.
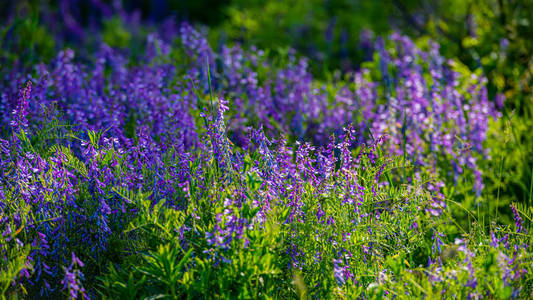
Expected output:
(499, 186)
(210, 88)
(531, 187)
(404, 129)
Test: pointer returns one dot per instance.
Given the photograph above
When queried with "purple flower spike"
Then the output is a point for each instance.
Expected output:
(518, 220)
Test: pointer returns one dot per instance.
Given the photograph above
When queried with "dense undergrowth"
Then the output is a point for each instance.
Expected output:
(181, 171)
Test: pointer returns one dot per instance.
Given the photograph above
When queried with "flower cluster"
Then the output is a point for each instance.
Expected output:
(263, 171)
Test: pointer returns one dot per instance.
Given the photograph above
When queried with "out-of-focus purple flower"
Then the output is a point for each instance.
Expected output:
(518, 220)
(504, 43)
(437, 242)
(72, 280)
(338, 271)
(469, 256)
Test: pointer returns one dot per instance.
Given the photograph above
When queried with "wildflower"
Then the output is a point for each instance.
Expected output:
(19, 121)
(518, 220)
(338, 271)
(73, 278)
(437, 242)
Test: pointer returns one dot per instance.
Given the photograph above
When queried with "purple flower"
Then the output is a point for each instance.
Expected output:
(437, 242)
(72, 280)
(19, 121)
(338, 271)
(518, 220)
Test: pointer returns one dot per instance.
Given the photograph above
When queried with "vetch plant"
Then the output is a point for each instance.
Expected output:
(232, 174)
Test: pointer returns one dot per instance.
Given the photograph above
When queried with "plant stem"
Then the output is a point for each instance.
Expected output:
(499, 186)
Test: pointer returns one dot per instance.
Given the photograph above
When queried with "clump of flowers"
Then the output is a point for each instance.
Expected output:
(261, 182)
(73, 278)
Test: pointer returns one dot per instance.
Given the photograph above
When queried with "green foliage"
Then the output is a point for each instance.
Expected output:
(166, 270)
(493, 35)
(165, 253)
(114, 33)
(386, 253)
(510, 169)
(16, 253)
(326, 31)
(25, 41)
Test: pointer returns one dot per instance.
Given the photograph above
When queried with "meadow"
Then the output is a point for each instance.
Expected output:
(143, 160)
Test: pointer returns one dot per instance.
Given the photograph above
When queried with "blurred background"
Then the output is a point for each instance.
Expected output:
(336, 34)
